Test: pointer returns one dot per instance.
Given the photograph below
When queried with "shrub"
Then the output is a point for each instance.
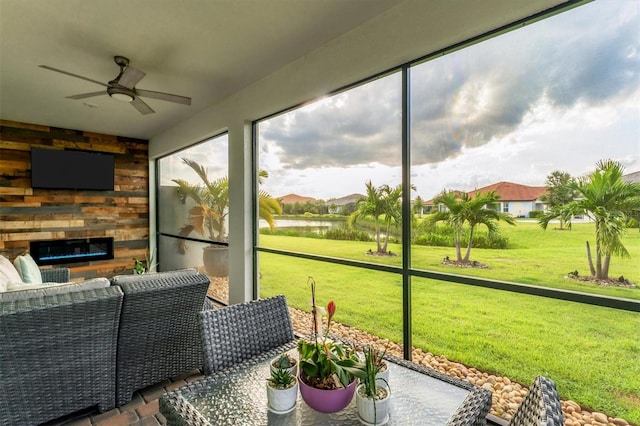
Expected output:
(442, 236)
(535, 214)
(347, 234)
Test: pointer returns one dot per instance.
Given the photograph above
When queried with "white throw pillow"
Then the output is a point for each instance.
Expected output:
(7, 273)
(28, 269)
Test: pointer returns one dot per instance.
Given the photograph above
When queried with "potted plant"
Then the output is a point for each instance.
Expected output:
(144, 266)
(208, 216)
(282, 391)
(373, 392)
(327, 366)
(285, 362)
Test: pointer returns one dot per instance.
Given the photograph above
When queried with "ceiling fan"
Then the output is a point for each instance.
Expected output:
(123, 88)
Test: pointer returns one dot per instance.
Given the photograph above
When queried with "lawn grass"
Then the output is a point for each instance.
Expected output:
(591, 353)
(535, 257)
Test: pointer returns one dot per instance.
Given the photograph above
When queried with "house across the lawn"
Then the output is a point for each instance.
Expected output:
(515, 199)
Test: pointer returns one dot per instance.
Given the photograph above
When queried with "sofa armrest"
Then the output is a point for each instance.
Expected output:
(56, 275)
(58, 354)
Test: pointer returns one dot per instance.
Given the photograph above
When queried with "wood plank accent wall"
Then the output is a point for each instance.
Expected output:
(28, 214)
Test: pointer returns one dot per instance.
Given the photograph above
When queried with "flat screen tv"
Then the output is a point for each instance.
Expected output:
(71, 169)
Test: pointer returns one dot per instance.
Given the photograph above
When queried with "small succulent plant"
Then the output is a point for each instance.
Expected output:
(284, 361)
(281, 379)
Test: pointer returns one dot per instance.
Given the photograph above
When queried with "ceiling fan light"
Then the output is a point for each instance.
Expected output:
(124, 97)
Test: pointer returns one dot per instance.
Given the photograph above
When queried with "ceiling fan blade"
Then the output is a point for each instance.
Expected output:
(141, 106)
(164, 96)
(130, 77)
(87, 95)
(72, 74)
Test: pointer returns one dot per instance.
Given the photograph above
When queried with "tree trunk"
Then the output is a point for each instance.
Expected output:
(377, 227)
(466, 255)
(605, 267)
(591, 268)
(458, 251)
(386, 240)
(598, 262)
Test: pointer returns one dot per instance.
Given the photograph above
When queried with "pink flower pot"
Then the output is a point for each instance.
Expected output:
(327, 401)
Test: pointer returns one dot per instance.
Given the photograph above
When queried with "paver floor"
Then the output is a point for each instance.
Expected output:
(143, 409)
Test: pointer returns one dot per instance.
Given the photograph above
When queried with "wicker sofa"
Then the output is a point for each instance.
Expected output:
(60, 353)
(159, 332)
(57, 353)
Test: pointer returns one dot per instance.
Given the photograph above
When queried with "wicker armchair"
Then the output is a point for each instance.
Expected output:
(239, 332)
(57, 354)
(541, 406)
(159, 335)
(56, 275)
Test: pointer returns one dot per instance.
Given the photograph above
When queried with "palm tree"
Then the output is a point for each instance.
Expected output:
(559, 192)
(607, 200)
(372, 205)
(418, 206)
(461, 210)
(391, 198)
(208, 216)
(267, 205)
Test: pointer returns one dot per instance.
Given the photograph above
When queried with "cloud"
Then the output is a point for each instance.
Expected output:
(360, 126)
(505, 94)
(486, 91)
(212, 154)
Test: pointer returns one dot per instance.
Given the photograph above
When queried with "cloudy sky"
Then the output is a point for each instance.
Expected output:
(559, 94)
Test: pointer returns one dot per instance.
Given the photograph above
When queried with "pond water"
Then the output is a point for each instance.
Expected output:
(309, 225)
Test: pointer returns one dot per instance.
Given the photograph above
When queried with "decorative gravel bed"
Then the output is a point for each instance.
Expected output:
(507, 394)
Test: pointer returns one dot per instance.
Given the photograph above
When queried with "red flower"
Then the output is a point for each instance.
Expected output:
(331, 309)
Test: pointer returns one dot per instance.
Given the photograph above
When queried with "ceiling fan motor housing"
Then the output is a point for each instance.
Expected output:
(120, 93)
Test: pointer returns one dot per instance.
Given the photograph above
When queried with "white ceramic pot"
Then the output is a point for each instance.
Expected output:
(369, 413)
(383, 375)
(282, 400)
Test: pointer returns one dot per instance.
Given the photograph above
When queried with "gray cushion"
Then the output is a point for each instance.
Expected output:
(16, 293)
(122, 279)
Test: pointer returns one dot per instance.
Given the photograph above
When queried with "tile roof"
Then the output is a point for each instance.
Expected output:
(294, 198)
(509, 191)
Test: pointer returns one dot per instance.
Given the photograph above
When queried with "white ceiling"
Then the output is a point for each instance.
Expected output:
(205, 50)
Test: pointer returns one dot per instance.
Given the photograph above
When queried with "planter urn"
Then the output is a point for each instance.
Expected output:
(327, 400)
(373, 413)
(282, 400)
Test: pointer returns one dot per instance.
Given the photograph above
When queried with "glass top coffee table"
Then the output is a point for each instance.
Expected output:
(238, 396)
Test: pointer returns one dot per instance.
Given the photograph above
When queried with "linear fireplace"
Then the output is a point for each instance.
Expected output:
(54, 252)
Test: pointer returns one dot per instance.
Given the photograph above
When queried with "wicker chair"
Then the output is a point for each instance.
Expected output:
(159, 335)
(56, 275)
(541, 406)
(239, 332)
(57, 354)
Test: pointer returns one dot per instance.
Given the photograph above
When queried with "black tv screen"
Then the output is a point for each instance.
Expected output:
(71, 169)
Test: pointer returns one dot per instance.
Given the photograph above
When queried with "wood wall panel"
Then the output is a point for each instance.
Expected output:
(28, 214)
